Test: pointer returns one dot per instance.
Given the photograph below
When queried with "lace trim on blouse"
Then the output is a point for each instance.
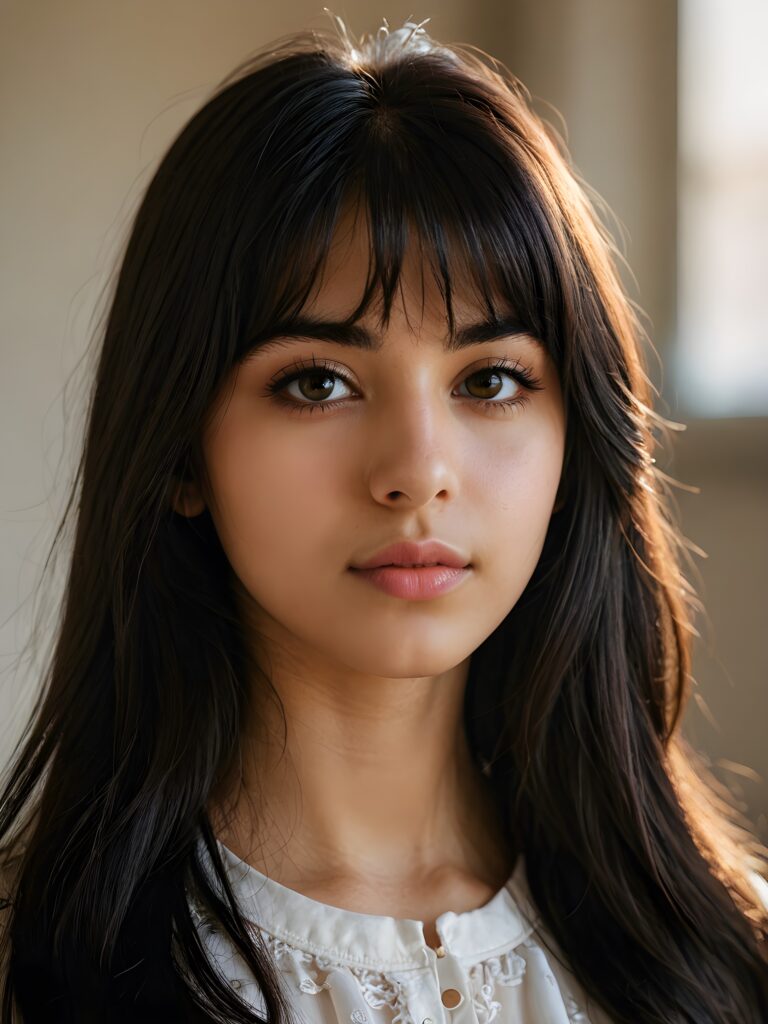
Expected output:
(312, 973)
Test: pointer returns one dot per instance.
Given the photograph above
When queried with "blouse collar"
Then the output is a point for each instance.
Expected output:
(376, 940)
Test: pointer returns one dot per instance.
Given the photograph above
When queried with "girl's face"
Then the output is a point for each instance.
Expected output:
(406, 442)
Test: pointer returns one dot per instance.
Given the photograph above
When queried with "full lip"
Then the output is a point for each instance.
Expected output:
(409, 553)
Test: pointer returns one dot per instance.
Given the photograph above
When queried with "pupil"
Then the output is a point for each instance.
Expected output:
(486, 375)
(317, 380)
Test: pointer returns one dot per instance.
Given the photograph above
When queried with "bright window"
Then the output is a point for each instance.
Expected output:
(720, 363)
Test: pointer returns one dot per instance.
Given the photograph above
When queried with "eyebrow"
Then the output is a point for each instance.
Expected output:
(357, 336)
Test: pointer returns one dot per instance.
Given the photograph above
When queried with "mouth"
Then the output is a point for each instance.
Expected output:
(414, 582)
(409, 565)
(411, 555)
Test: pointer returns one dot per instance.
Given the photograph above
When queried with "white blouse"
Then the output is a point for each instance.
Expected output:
(343, 967)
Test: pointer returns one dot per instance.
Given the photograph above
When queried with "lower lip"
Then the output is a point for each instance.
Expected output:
(414, 584)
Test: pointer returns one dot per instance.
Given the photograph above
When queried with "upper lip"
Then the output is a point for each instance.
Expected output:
(408, 552)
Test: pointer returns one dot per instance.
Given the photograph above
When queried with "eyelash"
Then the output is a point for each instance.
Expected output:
(519, 373)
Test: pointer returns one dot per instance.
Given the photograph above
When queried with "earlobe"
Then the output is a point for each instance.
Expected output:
(187, 500)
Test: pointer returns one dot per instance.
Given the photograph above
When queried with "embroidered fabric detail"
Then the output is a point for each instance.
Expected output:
(306, 978)
(310, 973)
(575, 1013)
(506, 969)
(378, 989)
(383, 990)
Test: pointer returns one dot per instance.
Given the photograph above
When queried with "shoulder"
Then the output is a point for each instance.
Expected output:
(578, 1004)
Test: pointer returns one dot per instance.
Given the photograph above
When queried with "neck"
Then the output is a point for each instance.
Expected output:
(374, 781)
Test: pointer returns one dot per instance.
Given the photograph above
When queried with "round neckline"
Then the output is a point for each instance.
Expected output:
(375, 940)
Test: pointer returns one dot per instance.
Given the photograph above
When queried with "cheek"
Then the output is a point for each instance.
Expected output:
(514, 498)
(276, 503)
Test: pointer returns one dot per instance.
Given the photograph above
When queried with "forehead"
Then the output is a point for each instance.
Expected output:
(346, 269)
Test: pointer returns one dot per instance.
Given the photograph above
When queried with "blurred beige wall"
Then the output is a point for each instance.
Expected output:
(90, 96)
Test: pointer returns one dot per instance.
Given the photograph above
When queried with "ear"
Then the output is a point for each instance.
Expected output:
(187, 499)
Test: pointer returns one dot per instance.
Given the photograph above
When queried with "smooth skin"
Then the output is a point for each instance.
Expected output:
(375, 804)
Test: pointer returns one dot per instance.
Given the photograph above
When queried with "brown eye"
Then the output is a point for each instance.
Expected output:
(489, 383)
(319, 384)
(315, 385)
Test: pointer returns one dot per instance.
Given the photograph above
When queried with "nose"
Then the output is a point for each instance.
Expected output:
(413, 456)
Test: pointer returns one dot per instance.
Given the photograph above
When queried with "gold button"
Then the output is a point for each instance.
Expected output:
(451, 998)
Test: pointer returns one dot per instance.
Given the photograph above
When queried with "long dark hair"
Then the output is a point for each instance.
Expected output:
(637, 862)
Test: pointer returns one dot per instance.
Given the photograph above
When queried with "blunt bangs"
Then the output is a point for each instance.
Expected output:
(424, 165)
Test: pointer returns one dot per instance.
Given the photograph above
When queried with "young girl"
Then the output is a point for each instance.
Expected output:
(365, 703)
